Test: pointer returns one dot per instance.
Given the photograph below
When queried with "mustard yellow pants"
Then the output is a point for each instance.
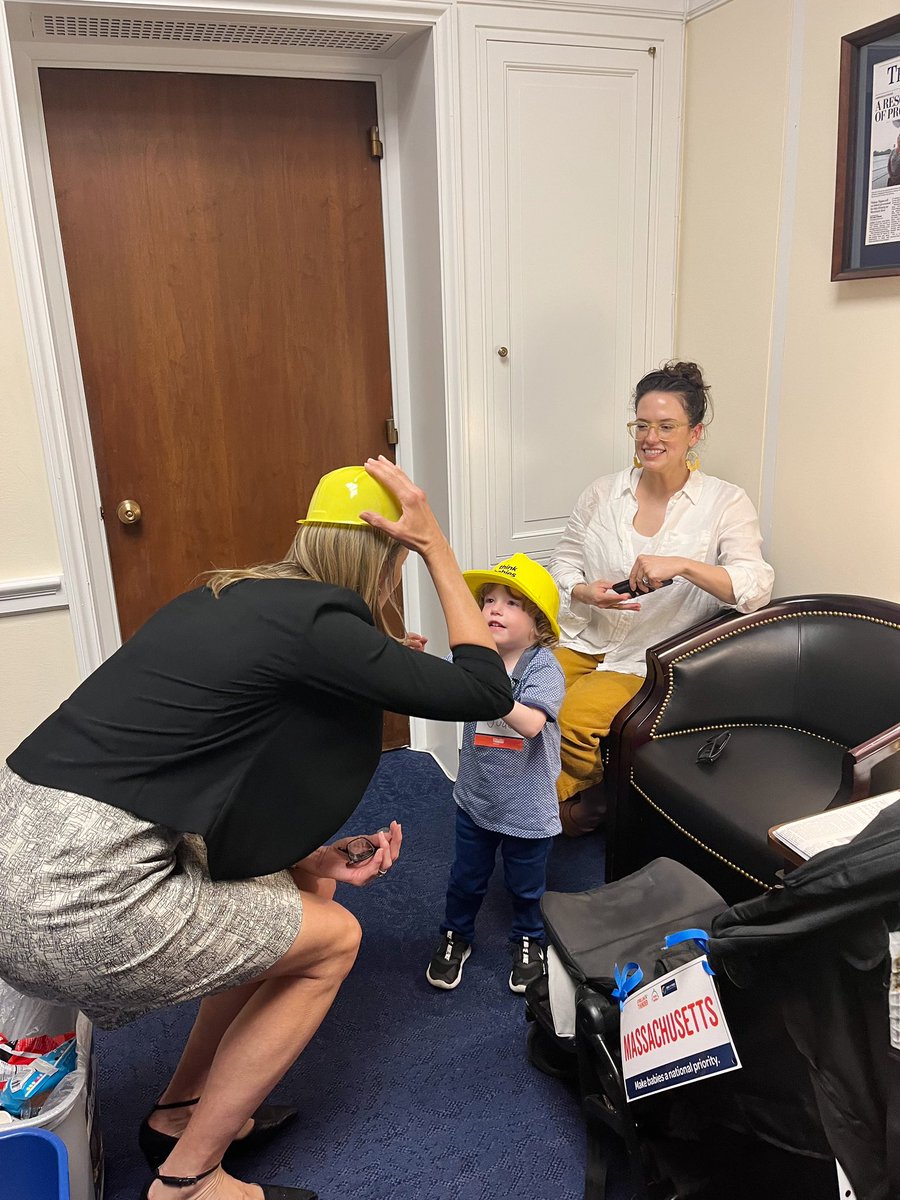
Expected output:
(592, 700)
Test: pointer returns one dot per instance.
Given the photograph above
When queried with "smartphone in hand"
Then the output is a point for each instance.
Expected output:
(624, 588)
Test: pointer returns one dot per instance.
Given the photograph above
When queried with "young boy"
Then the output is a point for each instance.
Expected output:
(506, 788)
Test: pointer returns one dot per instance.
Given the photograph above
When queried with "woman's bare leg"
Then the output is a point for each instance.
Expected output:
(270, 1029)
(214, 1016)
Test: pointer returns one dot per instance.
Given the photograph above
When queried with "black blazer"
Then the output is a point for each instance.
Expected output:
(253, 720)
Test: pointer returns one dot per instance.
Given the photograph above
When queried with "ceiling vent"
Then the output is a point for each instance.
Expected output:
(216, 33)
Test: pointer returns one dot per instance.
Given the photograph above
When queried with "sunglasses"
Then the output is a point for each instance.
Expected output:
(713, 747)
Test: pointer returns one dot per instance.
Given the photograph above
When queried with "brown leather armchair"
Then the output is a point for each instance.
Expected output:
(809, 688)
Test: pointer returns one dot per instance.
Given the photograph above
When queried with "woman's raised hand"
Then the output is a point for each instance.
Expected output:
(417, 528)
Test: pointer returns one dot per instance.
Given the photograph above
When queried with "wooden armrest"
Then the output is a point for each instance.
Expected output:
(860, 761)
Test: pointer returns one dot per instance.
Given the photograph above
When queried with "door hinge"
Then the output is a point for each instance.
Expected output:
(390, 432)
(376, 146)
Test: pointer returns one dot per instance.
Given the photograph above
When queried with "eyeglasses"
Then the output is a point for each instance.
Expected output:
(360, 849)
(664, 429)
(712, 748)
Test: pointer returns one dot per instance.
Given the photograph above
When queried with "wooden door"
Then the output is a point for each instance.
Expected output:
(224, 251)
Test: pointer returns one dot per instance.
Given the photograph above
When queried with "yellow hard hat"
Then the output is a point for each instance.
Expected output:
(526, 576)
(341, 495)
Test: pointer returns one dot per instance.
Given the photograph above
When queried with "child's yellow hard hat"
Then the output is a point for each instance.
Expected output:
(526, 576)
(341, 495)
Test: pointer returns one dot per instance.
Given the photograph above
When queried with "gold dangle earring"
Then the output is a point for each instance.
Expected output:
(636, 461)
(692, 460)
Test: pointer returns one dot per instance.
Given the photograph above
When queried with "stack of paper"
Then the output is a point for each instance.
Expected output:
(823, 831)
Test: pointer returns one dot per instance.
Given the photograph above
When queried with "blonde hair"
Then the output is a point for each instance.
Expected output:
(544, 635)
(357, 557)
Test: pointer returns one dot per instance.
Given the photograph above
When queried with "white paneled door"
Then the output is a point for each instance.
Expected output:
(565, 142)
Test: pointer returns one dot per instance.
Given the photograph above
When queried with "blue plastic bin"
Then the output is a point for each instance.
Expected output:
(34, 1165)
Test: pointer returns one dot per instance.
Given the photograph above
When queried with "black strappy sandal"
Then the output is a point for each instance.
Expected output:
(267, 1121)
(270, 1191)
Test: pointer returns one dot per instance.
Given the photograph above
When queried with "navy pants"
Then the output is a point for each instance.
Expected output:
(524, 872)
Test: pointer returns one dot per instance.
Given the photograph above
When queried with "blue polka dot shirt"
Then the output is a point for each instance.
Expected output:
(513, 792)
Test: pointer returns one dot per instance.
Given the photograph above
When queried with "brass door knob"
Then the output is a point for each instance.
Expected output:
(503, 352)
(128, 512)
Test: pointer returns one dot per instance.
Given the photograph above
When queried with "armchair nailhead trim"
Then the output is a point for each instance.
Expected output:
(723, 637)
(728, 863)
(747, 725)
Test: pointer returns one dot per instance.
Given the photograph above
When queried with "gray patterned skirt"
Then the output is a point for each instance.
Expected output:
(117, 916)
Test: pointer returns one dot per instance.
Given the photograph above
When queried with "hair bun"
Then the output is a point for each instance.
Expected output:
(686, 380)
(688, 371)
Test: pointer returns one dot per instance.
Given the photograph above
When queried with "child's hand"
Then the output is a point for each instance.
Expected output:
(526, 720)
(415, 641)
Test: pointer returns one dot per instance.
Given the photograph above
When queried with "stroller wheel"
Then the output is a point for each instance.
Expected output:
(548, 1056)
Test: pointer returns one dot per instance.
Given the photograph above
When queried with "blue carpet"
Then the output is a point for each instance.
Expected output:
(405, 1092)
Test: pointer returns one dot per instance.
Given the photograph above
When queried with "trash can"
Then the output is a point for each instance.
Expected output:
(70, 1109)
(71, 1113)
(34, 1165)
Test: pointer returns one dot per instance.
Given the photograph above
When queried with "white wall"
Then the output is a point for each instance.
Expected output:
(802, 367)
(837, 482)
(731, 189)
(37, 655)
(28, 546)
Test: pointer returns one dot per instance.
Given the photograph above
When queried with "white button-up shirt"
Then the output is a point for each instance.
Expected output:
(708, 520)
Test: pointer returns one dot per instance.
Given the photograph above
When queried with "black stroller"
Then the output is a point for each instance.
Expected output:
(803, 974)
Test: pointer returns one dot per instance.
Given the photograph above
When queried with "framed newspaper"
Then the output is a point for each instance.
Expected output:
(867, 191)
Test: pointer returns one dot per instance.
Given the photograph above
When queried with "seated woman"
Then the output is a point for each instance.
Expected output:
(659, 522)
(162, 834)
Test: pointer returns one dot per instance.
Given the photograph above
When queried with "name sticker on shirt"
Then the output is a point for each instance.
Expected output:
(499, 735)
